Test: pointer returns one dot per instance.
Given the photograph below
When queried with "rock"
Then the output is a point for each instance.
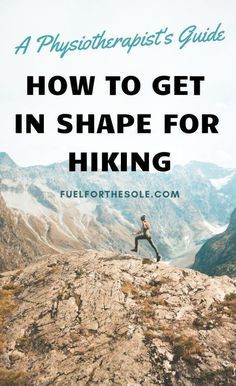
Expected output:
(167, 366)
(119, 322)
(52, 263)
(169, 356)
(15, 355)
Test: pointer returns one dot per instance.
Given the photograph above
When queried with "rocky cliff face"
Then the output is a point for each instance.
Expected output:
(101, 318)
(218, 255)
(19, 245)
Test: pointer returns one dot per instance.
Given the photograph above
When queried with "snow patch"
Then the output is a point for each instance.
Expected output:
(10, 183)
(215, 228)
(85, 207)
(218, 183)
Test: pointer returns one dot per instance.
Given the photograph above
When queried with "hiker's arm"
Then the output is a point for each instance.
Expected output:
(137, 232)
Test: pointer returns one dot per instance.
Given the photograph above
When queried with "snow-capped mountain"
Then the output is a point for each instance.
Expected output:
(179, 225)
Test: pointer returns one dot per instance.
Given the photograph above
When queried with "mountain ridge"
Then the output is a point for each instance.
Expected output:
(179, 225)
(218, 255)
(194, 163)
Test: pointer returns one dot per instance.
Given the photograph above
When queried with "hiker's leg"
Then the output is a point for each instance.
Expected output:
(153, 245)
(137, 238)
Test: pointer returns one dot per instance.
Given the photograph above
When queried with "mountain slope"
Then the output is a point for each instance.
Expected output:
(18, 244)
(218, 255)
(100, 318)
(6, 162)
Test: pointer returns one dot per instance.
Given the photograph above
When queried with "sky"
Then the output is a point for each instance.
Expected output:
(73, 19)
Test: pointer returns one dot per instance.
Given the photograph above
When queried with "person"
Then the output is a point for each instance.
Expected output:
(144, 234)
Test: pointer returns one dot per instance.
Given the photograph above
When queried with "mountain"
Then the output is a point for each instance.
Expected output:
(6, 162)
(218, 255)
(210, 170)
(103, 318)
(179, 225)
(19, 245)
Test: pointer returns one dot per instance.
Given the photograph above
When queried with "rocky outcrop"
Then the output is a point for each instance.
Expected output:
(218, 255)
(101, 318)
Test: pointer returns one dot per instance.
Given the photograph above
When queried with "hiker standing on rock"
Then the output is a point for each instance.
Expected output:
(144, 234)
